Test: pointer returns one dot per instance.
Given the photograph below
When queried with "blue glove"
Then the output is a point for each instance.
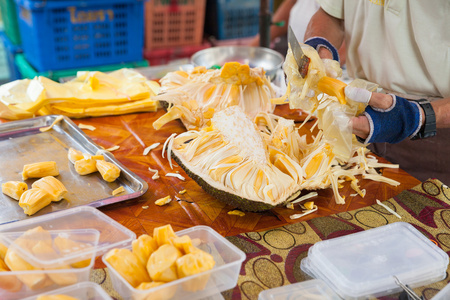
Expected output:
(392, 125)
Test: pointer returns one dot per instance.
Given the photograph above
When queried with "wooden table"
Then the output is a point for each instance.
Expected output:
(134, 132)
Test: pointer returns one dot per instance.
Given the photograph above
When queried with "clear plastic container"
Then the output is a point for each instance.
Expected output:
(82, 291)
(443, 294)
(307, 290)
(364, 264)
(69, 246)
(223, 276)
(83, 232)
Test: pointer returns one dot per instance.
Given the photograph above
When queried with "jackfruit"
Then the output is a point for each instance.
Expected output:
(162, 294)
(14, 189)
(3, 250)
(34, 200)
(65, 245)
(163, 235)
(9, 283)
(88, 164)
(108, 170)
(56, 297)
(40, 169)
(184, 244)
(162, 263)
(195, 96)
(194, 263)
(15, 263)
(124, 262)
(52, 186)
(74, 155)
(143, 247)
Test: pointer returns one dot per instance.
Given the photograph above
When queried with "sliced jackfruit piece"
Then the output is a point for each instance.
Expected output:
(9, 283)
(52, 186)
(143, 247)
(108, 170)
(162, 263)
(194, 263)
(34, 200)
(163, 234)
(128, 266)
(14, 189)
(56, 297)
(40, 169)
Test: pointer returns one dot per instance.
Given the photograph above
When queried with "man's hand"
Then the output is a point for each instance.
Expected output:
(387, 118)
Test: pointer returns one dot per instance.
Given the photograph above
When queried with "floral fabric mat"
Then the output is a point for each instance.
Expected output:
(274, 256)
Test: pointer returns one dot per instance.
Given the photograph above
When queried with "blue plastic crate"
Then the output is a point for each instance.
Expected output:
(11, 50)
(232, 19)
(59, 35)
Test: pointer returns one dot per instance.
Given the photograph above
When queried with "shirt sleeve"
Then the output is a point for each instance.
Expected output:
(334, 8)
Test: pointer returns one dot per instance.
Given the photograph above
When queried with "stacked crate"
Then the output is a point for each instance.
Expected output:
(232, 22)
(173, 29)
(63, 36)
(10, 38)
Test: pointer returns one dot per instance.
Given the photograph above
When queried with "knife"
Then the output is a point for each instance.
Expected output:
(300, 57)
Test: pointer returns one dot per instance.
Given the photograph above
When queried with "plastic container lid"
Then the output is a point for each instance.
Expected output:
(306, 290)
(77, 221)
(443, 294)
(83, 291)
(53, 248)
(365, 263)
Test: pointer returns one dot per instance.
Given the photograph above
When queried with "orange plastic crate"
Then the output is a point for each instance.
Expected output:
(171, 23)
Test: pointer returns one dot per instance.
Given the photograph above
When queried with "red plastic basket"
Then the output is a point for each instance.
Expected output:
(172, 23)
(167, 55)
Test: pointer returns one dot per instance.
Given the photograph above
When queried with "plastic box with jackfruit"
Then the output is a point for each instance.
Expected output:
(223, 276)
(55, 250)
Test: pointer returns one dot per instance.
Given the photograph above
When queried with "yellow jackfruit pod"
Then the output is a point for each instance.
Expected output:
(143, 247)
(88, 164)
(40, 169)
(65, 245)
(14, 189)
(52, 186)
(3, 250)
(163, 234)
(192, 264)
(44, 251)
(333, 87)
(109, 171)
(34, 200)
(9, 283)
(162, 294)
(184, 244)
(56, 297)
(74, 155)
(128, 266)
(33, 236)
(16, 263)
(162, 263)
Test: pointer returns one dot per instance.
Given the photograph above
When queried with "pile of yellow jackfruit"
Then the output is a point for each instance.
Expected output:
(39, 243)
(90, 94)
(163, 258)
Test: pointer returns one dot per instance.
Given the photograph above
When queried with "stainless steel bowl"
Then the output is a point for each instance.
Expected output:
(270, 60)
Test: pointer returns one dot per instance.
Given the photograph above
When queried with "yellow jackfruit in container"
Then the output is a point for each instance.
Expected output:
(203, 261)
(54, 251)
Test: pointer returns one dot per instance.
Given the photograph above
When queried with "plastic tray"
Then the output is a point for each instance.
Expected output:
(307, 290)
(365, 263)
(222, 277)
(82, 291)
(72, 34)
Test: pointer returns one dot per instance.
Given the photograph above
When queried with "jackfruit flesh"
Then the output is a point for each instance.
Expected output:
(34, 200)
(52, 186)
(108, 170)
(143, 247)
(192, 264)
(195, 96)
(161, 264)
(40, 169)
(56, 297)
(124, 262)
(14, 189)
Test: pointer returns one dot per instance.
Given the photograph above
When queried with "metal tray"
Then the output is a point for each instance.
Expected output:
(22, 143)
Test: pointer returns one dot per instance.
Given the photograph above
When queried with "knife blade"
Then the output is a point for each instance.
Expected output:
(300, 58)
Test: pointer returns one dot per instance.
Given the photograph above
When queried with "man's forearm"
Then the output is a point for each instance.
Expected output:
(324, 25)
(442, 111)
